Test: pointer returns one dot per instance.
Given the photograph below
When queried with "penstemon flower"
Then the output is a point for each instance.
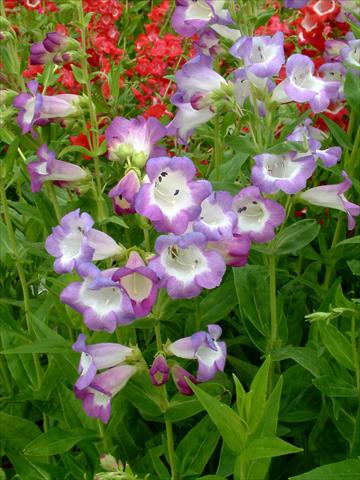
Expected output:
(191, 16)
(286, 172)
(216, 219)
(124, 193)
(172, 198)
(184, 267)
(263, 55)
(102, 302)
(74, 241)
(139, 282)
(134, 140)
(302, 86)
(234, 251)
(97, 357)
(97, 396)
(205, 348)
(37, 109)
(351, 54)
(332, 196)
(257, 216)
(334, 71)
(48, 168)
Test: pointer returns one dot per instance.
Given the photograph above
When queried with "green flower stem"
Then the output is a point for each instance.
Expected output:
(5, 376)
(355, 348)
(94, 139)
(330, 267)
(54, 200)
(353, 164)
(21, 274)
(217, 148)
(168, 424)
(273, 309)
(104, 440)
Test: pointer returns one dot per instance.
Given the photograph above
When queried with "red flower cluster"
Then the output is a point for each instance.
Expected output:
(103, 32)
(317, 22)
(157, 55)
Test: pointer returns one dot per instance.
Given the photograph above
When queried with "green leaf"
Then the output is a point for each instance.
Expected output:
(252, 289)
(338, 133)
(296, 236)
(352, 90)
(335, 386)
(76, 148)
(78, 74)
(307, 357)
(197, 447)
(257, 395)
(228, 423)
(56, 441)
(345, 470)
(218, 302)
(41, 346)
(268, 447)
(354, 266)
(337, 344)
(16, 431)
(349, 241)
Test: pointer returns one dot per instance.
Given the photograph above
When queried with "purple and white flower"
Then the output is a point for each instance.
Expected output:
(208, 43)
(286, 172)
(263, 55)
(191, 16)
(48, 168)
(257, 216)
(205, 348)
(334, 71)
(216, 220)
(97, 396)
(183, 265)
(134, 140)
(351, 55)
(234, 251)
(180, 375)
(124, 193)
(37, 109)
(97, 357)
(74, 241)
(172, 198)
(332, 196)
(159, 371)
(311, 138)
(102, 302)
(302, 86)
(139, 282)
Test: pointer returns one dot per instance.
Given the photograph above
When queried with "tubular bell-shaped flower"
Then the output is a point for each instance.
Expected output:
(74, 241)
(284, 172)
(139, 282)
(51, 49)
(216, 220)
(48, 168)
(134, 140)
(183, 265)
(97, 357)
(235, 251)
(97, 396)
(332, 196)
(172, 198)
(102, 302)
(37, 109)
(159, 371)
(191, 16)
(351, 54)
(262, 55)
(205, 348)
(257, 216)
(124, 193)
(302, 86)
(180, 375)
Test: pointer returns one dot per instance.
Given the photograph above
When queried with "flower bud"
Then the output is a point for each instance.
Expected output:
(109, 463)
(180, 375)
(159, 371)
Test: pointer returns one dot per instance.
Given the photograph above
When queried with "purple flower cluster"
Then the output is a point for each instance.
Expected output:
(51, 49)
